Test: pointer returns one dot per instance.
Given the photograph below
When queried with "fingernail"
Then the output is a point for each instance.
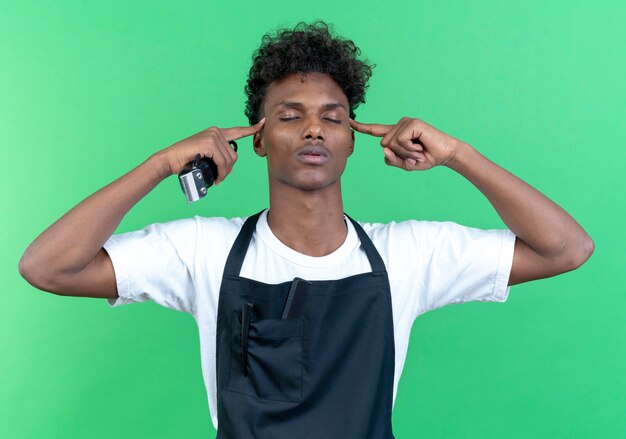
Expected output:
(410, 161)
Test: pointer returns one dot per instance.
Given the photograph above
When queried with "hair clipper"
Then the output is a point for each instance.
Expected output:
(198, 176)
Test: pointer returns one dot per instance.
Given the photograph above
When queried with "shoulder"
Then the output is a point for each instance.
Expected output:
(422, 229)
(226, 225)
(185, 234)
(218, 230)
(188, 227)
(409, 229)
(433, 237)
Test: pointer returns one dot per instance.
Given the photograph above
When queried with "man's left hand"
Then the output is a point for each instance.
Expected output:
(412, 144)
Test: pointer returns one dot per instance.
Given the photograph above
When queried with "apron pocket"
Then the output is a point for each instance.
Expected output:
(274, 359)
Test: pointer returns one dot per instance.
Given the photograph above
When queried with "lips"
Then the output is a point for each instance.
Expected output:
(313, 154)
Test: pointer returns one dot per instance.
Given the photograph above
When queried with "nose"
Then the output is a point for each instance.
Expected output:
(314, 129)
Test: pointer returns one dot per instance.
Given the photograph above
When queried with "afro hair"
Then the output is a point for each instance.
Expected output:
(306, 48)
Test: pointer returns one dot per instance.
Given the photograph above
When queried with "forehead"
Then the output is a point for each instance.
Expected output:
(310, 90)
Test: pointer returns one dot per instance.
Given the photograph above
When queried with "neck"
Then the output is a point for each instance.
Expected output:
(309, 222)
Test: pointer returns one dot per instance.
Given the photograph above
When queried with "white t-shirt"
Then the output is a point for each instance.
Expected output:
(179, 265)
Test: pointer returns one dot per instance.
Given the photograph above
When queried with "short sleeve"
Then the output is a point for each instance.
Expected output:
(156, 263)
(463, 264)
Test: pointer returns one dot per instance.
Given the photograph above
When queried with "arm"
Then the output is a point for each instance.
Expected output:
(68, 258)
(549, 241)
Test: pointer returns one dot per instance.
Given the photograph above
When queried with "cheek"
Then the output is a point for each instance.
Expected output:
(277, 140)
(347, 139)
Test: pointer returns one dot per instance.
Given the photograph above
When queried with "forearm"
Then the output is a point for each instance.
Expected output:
(72, 242)
(535, 219)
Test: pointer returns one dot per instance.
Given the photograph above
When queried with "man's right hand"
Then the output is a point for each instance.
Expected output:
(212, 143)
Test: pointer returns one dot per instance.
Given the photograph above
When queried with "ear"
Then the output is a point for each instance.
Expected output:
(351, 142)
(259, 144)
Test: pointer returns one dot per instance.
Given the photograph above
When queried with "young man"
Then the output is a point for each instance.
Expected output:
(304, 314)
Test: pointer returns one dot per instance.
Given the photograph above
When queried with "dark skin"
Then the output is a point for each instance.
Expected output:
(306, 208)
(306, 137)
(303, 112)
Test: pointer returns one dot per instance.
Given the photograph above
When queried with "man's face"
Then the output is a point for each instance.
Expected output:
(307, 136)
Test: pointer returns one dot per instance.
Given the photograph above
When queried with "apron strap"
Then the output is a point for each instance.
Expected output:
(376, 262)
(240, 247)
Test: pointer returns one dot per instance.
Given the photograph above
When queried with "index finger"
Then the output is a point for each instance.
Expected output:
(235, 133)
(373, 129)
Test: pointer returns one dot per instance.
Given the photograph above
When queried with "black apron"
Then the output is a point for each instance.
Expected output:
(327, 373)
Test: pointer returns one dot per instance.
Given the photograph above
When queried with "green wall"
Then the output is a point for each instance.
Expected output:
(88, 90)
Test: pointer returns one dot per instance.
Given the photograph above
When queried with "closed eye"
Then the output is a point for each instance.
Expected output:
(288, 118)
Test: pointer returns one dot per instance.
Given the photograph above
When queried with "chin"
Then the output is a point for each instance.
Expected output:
(311, 184)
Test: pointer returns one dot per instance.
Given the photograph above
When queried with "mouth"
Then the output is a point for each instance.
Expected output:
(313, 155)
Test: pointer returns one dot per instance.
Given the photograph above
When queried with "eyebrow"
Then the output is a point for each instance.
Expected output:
(299, 105)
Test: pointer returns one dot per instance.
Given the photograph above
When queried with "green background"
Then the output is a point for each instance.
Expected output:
(88, 90)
